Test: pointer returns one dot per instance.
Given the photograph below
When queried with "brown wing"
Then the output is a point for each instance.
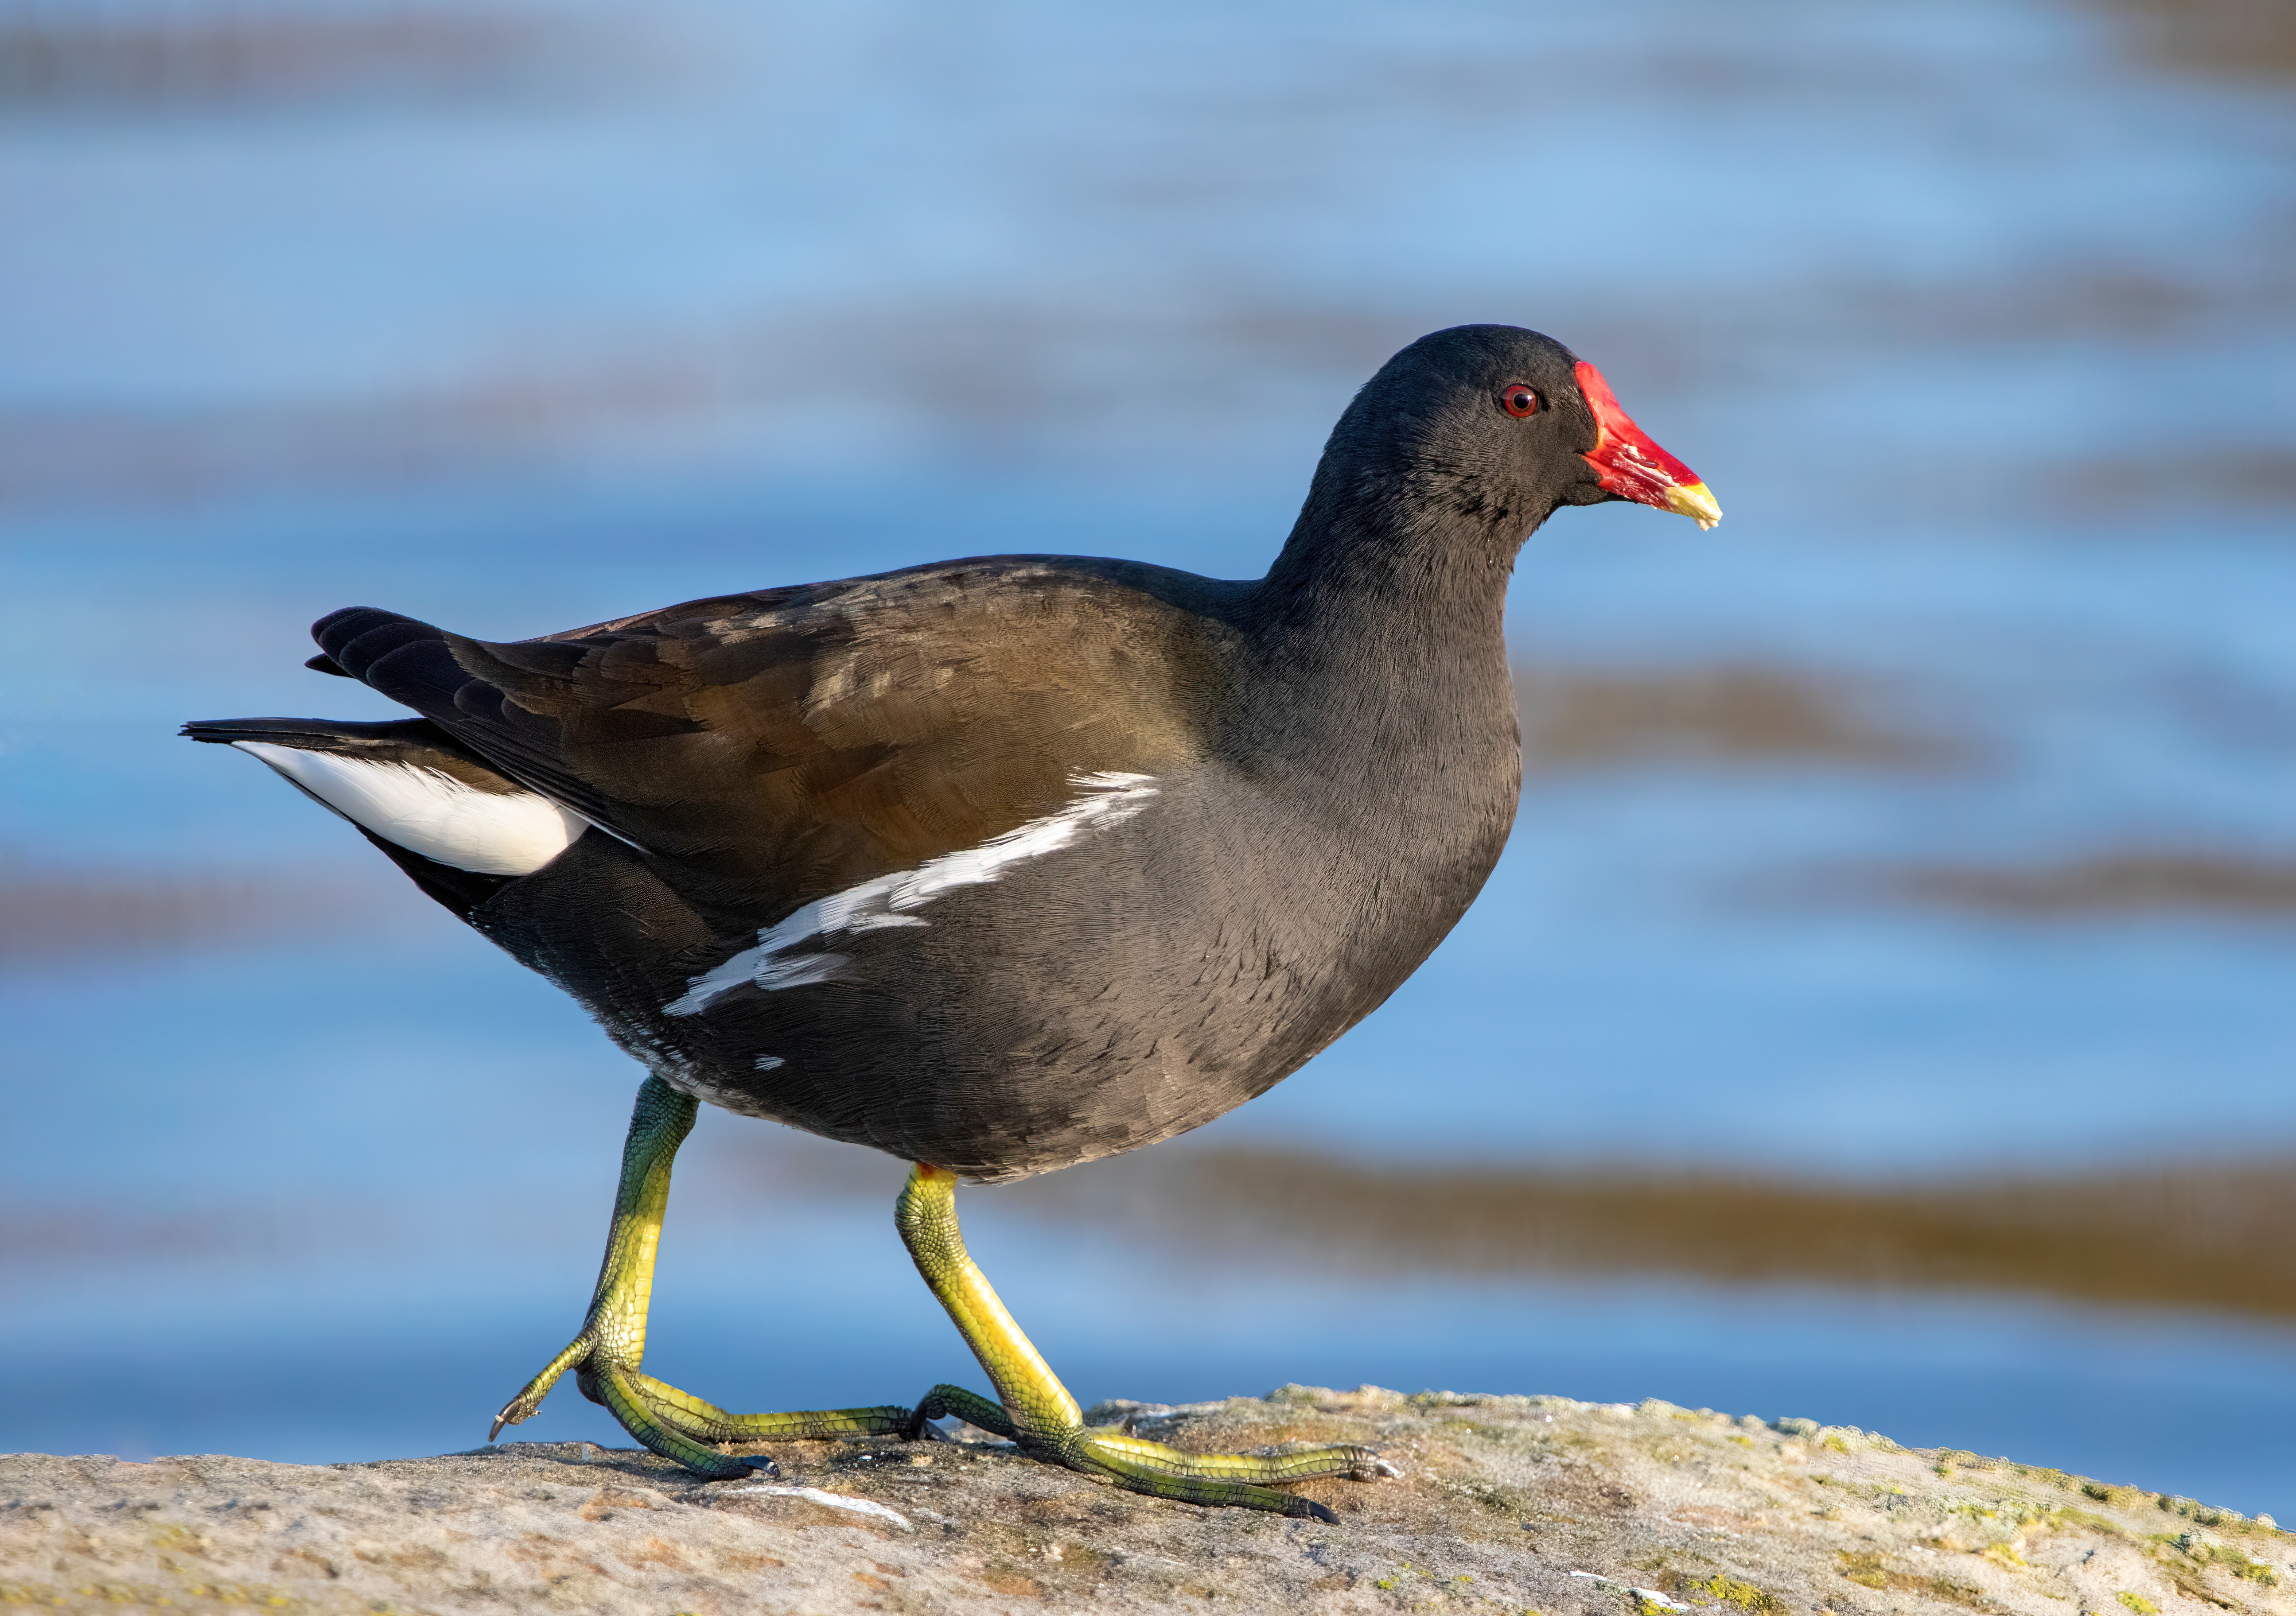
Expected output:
(798, 741)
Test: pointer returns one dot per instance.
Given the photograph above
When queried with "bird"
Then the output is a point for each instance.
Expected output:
(999, 865)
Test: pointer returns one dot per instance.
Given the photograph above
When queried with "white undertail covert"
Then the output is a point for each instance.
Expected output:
(430, 813)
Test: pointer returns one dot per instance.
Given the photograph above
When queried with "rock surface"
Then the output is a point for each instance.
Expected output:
(1506, 1504)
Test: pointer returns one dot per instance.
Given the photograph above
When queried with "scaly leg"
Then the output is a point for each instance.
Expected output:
(1035, 1411)
(605, 1356)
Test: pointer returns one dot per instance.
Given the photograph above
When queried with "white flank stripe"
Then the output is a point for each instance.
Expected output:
(430, 813)
(888, 901)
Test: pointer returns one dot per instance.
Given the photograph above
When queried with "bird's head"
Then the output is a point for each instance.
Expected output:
(1499, 426)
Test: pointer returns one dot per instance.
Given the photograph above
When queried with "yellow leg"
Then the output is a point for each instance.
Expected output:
(605, 1356)
(1035, 1411)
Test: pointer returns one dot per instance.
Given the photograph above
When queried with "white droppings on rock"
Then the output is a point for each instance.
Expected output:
(1649, 1596)
(815, 1495)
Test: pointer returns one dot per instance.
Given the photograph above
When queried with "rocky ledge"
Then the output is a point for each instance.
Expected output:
(1505, 1503)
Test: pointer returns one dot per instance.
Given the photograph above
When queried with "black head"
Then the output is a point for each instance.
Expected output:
(1491, 428)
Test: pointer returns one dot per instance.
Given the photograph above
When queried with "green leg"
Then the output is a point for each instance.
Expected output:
(605, 1356)
(1035, 1411)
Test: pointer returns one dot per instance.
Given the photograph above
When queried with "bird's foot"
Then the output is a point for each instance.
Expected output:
(1112, 1453)
(680, 1426)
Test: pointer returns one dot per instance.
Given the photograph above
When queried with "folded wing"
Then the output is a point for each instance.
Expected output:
(792, 744)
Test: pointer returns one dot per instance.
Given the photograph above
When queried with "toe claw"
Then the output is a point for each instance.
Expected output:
(763, 1464)
(516, 1412)
(1382, 1467)
(1307, 1509)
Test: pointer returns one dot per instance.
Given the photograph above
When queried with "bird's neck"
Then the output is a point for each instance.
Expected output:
(1381, 628)
(1382, 700)
(1384, 577)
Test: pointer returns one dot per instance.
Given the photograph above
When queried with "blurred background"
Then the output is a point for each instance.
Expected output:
(1886, 1012)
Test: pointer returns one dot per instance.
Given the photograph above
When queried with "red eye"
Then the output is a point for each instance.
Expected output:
(1516, 399)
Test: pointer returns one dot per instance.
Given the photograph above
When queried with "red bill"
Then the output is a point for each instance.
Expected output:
(1633, 467)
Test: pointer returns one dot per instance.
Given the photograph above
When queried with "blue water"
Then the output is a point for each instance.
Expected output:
(726, 295)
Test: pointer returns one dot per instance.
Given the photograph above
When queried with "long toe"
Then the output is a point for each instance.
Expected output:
(1238, 1480)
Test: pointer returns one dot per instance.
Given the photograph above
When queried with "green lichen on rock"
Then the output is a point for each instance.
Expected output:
(2204, 1549)
(1737, 1595)
(1864, 1568)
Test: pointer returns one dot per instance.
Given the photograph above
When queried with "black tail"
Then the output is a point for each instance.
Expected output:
(401, 657)
(418, 666)
(356, 638)
(415, 741)
(405, 659)
(397, 741)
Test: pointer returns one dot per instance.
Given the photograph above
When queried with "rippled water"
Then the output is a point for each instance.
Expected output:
(1930, 817)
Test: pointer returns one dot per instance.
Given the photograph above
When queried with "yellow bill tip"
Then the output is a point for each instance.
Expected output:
(1695, 501)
